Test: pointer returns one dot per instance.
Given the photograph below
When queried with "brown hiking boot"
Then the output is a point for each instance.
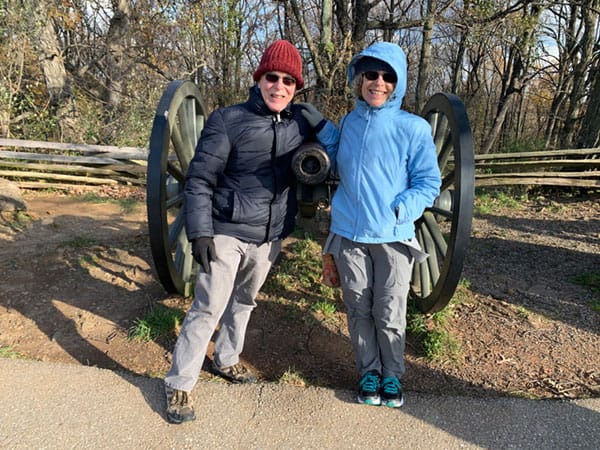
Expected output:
(179, 406)
(236, 373)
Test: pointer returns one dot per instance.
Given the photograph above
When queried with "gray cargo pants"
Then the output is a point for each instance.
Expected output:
(375, 280)
(224, 296)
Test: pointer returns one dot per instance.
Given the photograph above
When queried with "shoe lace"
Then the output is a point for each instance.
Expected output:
(180, 398)
(390, 385)
(237, 369)
(370, 382)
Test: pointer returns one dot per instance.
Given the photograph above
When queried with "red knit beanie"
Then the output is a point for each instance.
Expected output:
(281, 56)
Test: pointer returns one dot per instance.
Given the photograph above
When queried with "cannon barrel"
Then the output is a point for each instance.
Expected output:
(311, 164)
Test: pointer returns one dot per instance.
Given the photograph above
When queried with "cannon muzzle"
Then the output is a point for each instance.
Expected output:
(311, 164)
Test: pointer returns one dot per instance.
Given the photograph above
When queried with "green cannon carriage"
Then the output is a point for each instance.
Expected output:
(443, 230)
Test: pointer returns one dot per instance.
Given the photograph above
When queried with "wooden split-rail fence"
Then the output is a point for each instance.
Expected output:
(572, 167)
(52, 165)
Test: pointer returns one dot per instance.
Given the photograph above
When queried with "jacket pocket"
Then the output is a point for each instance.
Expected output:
(249, 211)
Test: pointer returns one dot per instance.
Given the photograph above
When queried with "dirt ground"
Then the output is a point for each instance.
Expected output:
(77, 275)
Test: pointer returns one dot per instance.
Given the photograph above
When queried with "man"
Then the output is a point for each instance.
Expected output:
(240, 202)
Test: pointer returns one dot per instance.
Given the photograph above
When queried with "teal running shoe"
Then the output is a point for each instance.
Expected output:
(369, 389)
(391, 392)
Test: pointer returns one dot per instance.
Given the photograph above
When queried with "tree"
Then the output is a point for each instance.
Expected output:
(573, 29)
(93, 70)
(515, 72)
(116, 63)
(586, 16)
(40, 31)
(589, 136)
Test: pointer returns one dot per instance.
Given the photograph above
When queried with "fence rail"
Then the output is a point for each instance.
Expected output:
(570, 167)
(56, 165)
(38, 165)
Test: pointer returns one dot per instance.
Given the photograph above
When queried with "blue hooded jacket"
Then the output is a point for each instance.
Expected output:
(386, 161)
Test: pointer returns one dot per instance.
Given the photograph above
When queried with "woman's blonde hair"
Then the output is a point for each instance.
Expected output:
(357, 86)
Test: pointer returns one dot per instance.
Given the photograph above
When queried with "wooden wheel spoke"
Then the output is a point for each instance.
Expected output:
(180, 147)
(433, 229)
(448, 180)
(175, 171)
(432, 262)
(180, 254)
(187, 126)
(444, 155)
(175, 231)
(442, 212)
(174, 202)
(424, 276)
(440, 134)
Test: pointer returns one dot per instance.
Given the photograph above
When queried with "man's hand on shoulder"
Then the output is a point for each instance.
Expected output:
(312, 115)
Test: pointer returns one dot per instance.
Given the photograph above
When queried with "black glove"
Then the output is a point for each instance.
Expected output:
(203, 249)
(312, 115)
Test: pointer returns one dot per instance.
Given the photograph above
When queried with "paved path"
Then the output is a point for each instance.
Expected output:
(55, 406)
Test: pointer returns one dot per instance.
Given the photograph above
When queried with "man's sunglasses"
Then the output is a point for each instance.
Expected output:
(272, 78)
(388, 77)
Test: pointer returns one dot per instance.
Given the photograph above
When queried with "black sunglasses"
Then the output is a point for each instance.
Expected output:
(388, 77)
(272, 78)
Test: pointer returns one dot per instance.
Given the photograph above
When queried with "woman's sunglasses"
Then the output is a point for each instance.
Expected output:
(388, 77)
(272, 78)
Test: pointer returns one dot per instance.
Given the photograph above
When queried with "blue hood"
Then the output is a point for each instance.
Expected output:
(391, 54)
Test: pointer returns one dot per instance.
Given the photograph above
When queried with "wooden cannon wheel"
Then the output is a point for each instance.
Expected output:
(178, 121)
(444, 229)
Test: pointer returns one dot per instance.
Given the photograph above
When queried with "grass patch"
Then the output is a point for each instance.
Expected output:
(591, 280)
(292, 378)
(87, 261)
(160, 322)
(8, 353)
(488, 202)
(127, 205)
(431, 330)
(16, 220)
(297, 277)
(81, 242)
(11, 265)
(522, 312)
(324, 307)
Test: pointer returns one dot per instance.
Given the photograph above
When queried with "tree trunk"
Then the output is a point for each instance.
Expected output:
(587, 17)
(589, 136)
(359, 24)
(425, 60)
(44, 40)
(116, 64)
(515, 74)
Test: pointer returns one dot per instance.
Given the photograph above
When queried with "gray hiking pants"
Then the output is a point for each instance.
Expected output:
(375, 280)
(226, 296)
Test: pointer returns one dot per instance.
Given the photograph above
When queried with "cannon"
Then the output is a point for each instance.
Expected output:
(443, 230)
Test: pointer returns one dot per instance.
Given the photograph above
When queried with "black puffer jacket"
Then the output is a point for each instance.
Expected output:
(240, 181)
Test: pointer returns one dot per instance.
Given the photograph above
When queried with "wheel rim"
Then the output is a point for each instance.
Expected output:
(178, 121)
(444, 229)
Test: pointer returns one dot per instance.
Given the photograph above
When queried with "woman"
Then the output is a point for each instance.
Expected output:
(387, 166)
